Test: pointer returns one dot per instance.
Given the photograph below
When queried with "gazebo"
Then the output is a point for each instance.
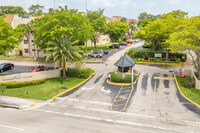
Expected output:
(125, 65)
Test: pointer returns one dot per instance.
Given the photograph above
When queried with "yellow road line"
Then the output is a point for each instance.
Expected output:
(126, 91)
(124, 95)
(183, 94)
(120, 99)
(118, 105)
(34, 104)
(164, 78)
(170, 64)
(73, 87)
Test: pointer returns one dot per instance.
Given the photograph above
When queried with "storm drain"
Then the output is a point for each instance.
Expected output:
(121, 100)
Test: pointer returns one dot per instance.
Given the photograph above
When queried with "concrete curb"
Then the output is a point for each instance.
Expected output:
(73, 87)
(122, 84)
(183, 94)
(169, 64)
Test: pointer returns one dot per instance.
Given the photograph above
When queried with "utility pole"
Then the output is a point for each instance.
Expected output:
(85, 5)
(54, 5)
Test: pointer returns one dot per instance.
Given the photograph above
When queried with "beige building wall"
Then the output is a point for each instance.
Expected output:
(30, 76)
(27, 51)
(102, 39)
(189, 72)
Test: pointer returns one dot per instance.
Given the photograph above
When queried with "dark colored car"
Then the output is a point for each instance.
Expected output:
(39, 68)
(103, 51)
(6, 66)
(123, 44)
(129, 42)
(115, 46)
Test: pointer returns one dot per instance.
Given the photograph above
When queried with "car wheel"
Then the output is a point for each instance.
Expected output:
(1, 70)
(12, 67)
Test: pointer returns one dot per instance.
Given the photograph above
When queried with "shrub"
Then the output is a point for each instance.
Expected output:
(78, 73)
(118, 79)
(22, 84)
(188, 82)
(146, 56)
(140, 54)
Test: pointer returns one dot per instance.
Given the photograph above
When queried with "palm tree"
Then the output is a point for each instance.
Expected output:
(62, 50)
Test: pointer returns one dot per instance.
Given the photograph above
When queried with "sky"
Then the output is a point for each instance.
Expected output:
(126, 8)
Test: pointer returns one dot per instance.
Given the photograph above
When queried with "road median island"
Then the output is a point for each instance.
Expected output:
(160, 63)
(71, 89)
(123, 84)
(190, 94)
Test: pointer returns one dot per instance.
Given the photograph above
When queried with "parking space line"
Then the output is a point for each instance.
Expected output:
(117, 105)
(16, 128)
(124, 95)
(121, 99)
(126, 91)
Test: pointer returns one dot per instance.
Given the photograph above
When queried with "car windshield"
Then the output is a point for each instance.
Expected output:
(1, 66)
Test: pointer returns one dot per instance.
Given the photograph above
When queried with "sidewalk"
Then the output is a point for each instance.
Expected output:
(20, 103)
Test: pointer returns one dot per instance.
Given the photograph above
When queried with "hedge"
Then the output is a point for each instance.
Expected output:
(22, 84)
(118, 79)
(78, 73)
(140, 54)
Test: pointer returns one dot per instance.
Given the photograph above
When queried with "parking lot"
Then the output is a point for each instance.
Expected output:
(24, 69)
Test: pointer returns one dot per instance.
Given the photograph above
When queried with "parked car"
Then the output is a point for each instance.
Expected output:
(39, 68)
(103, 51)
(96, 54)
(6, 66)
(123, 44)
(115, 46)
(129, 42)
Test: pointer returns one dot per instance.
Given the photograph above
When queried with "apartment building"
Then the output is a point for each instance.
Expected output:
(27, 47)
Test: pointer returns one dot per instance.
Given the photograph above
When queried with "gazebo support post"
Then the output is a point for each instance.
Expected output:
(132, 76)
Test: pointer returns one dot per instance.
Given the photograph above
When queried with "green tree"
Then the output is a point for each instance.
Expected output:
(156, 32)
(62, 50)
(98, 22)
(36, 10)
(124, 20)
(187, 37)
(116, 30)
(12, 10)
(9, 37)
(60, 23)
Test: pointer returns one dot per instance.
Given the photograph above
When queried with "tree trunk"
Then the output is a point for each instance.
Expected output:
(29, 43)
(95, 44)
(85, 47)
(64, 74)
(167, 55)
(198, 62)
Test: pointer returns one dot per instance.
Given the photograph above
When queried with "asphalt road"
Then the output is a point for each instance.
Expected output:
(154, 107)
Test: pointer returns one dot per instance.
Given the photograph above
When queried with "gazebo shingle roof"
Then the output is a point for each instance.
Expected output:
(125, 61)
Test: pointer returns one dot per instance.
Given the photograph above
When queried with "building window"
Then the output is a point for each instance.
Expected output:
(26, 50)
(33, 49)
(25, 41)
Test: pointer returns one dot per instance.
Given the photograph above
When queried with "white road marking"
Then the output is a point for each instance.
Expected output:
(106, 91)
(113, 121)
(112, 112)
(86, 88)
(92, 102)
(11, 127)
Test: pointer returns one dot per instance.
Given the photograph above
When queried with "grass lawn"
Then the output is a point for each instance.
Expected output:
(43, 91)
(3, 74)
(191, 93)
(153, 61)
(103, 46)
(18, 57)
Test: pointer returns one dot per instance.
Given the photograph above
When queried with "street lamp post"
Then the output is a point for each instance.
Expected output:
(132, 77)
